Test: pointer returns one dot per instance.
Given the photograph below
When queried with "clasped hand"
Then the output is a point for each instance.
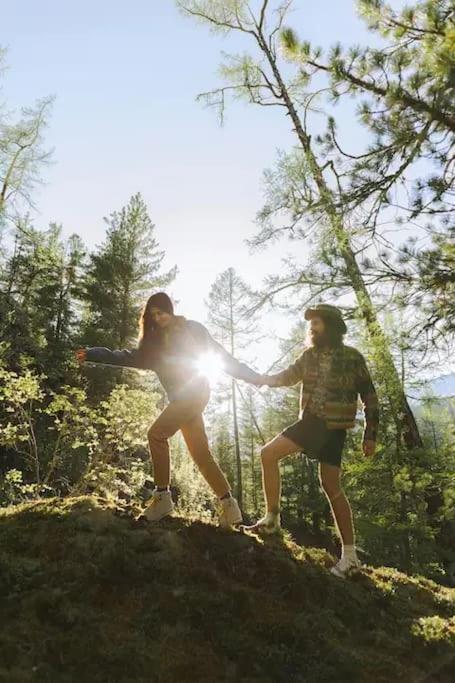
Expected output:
(262, 380)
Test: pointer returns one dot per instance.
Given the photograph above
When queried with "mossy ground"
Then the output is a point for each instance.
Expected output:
(88, 595)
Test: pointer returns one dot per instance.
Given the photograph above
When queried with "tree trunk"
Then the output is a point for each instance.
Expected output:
(238, 461)
(405, 420)
(253, 475)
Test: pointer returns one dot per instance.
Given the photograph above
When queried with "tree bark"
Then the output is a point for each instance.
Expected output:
(405, 420)
(238, 461)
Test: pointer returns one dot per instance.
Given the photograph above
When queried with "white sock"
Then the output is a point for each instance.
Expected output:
(349, 552)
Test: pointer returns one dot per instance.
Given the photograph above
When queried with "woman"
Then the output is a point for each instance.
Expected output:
(171, 346)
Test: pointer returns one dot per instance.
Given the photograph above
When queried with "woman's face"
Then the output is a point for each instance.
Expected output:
(159, 317)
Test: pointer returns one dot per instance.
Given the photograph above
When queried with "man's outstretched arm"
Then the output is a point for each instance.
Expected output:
(288, 377)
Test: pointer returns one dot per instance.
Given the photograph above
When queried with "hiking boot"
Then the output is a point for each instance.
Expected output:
(346, 566)
(269, 524)
(158, 506)
(230, 514)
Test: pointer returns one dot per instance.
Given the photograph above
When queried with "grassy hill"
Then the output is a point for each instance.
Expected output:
(89, 595)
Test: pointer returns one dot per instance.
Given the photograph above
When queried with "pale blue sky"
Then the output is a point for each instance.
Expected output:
(125, 76)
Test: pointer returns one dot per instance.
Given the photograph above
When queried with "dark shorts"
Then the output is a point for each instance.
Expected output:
(315, 440)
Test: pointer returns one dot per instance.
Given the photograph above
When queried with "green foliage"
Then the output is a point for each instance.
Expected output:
(82, 446)
(22, 153)
(123, 419)
(64, 430)
(116, 483)
(121, 274)
(119, 426)
(193, 497)
(234, 325)
(14, 490)
(21, 398)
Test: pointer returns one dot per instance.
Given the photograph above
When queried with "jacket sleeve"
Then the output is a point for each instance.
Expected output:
(290, 376)
(123, 358)
(230, 364)
(369, 398)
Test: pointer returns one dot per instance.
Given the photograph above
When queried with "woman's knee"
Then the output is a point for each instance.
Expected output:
(268, 454)
(155, 435)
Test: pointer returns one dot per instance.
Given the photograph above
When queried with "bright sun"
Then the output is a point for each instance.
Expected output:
(210, 365)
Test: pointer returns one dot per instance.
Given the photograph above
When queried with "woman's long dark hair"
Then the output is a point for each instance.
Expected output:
(147, 326)
(148, 338)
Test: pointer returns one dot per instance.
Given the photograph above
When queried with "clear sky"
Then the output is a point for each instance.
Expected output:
(125, 77)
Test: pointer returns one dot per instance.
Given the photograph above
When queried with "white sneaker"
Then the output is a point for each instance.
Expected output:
(269, 524)
(346, 566)
(158, 506)
(231, 513)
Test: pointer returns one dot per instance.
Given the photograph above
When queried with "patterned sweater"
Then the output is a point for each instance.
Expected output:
(348, 379)
(173, 353)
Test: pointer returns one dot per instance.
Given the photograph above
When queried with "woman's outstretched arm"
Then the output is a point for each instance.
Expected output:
(231, 365)
(101, 354)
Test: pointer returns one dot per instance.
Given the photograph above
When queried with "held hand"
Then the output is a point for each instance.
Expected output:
(80, 355)
(257, 381)
(268, 380)
(369, 448)
(265, 380)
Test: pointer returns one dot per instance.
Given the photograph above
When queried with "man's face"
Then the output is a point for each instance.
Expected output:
(160, 318)
(317, 331)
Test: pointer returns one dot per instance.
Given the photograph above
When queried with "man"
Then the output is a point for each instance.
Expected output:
(333, 376)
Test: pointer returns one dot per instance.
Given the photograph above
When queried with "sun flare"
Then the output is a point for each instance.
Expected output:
(211, 366)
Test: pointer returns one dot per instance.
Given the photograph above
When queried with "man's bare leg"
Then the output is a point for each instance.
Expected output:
(330, 478)
(271, 454)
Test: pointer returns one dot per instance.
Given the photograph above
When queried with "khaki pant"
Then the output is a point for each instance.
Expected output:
(186, 415)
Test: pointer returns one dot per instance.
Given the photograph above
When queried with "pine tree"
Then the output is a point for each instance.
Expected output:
(229, 303)
(407, 86)
(121, 274)
(39, 285)
(308, 185)
(251, 439)
(22, 155)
